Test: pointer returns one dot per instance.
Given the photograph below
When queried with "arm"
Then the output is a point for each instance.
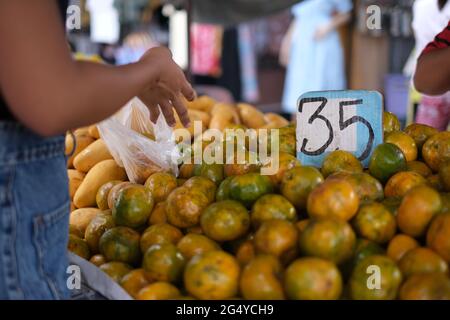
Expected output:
(338, 20)
(49, 92)
(433, 72)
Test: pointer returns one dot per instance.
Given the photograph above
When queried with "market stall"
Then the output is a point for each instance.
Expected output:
(222, 231)
(360, 211)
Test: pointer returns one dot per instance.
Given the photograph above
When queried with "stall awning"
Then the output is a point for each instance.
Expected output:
(228, 12)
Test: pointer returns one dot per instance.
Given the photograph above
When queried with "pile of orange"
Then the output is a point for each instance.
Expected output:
(224, 232)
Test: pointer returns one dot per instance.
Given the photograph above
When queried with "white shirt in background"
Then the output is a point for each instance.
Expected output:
(428, 21)
(105, 24)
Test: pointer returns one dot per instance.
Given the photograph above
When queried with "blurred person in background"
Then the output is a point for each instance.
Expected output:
(134, 46)
(44, 93)
(433, 68)
(312, 49)
(430, 17)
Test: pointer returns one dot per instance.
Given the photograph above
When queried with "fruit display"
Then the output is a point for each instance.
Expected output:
(226, 231)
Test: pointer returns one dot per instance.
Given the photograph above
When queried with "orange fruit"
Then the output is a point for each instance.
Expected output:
(120, 244)
(333, 199)
(202, 185)
(79, 247)
(184, 207)
(438, 235)
(133, 206)
(225, 220)
(374, 222)
(390, 122)
(340, 161)
(250, 187)
(417, 209)
(96, 228)
(387, 159)
(75, 230)
(426, 286)
(194, 244)
(421, 260)
(420, 168)
(367, 187)
(400, 183)
(158, 234)
(312, 279)
(436, 150)
(277, 237)
(330, 239)
(261, 279)
(390, 277)
(186, 171)
(272, 206)
(97, 260)
(404, 142)
(161, 184)
(287, 140)
(134, 281)
(113, 193)
(286, 162)
(420, 133)
(158, 214)
(234, 167)
(163, 262)
(399, 245)
(363, 249)
(298, 183)
(444, 175)
(213, 172)
(223, 191)
(245, 252)
(102, 194)
(213, 275)
(116, 270)
(159, 291)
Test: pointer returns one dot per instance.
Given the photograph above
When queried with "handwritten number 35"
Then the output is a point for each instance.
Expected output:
(343, 124)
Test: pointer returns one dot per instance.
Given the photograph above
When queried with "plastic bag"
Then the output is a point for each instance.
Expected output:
(138, 145)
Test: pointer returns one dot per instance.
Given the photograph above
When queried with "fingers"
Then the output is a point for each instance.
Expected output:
(152, 106)
(167, 111)
(187, 91)
(182, 111)
(154, 113)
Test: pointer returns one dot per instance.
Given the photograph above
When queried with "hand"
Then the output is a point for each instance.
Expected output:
(322, 32)
(158, 97)
(168, 89)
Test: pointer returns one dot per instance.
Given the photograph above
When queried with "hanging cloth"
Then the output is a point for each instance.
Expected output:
(206, 49)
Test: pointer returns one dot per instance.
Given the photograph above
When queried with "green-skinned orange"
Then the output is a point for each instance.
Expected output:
(387, 159)
(250, 187)
(133, 207)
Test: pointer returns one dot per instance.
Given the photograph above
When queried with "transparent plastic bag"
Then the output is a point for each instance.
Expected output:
(139, 145)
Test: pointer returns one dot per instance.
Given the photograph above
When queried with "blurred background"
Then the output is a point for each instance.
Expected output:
(268, 53)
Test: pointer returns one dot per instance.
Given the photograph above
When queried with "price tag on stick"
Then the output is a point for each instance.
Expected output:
(338, 120)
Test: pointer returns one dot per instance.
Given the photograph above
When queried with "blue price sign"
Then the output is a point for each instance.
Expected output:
(338, 120)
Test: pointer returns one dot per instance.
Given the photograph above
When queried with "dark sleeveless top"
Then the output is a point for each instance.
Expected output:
(4, 111)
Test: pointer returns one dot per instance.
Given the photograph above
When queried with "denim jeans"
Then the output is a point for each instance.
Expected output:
(34, 215)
